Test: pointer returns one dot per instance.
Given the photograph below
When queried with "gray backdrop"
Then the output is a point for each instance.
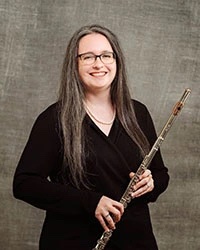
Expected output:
(160, 39)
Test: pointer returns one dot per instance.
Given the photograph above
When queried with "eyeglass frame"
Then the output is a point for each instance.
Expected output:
(97, 56)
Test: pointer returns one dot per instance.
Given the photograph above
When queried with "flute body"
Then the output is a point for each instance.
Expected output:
(126, 197)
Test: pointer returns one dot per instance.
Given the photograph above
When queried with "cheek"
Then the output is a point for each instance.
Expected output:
(114, 70)
(81, 71)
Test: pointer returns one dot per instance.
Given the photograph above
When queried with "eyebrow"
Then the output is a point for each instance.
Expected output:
(90, 52)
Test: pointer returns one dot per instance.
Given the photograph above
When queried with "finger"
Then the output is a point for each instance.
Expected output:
(116, 214)
(144, 179)
(131, 175)
(146, 173)
(109, 221)
(119, 207)
(151, 184)
(144, 189)
(140, 184)
(115, 209)
(108, 212)
(103, 223)
(140, 191)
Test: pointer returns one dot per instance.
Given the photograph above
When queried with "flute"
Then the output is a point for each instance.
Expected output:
(126, 197)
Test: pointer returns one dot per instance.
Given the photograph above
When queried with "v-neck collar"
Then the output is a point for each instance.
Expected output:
(113, 133)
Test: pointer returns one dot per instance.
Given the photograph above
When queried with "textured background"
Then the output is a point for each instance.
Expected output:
(161, 41)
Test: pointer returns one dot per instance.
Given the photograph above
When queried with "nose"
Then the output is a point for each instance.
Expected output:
(98, 63)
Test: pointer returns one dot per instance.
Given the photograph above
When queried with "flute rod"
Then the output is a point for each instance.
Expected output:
(126, 197)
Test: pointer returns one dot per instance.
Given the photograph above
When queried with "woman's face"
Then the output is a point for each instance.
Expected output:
(96, 76)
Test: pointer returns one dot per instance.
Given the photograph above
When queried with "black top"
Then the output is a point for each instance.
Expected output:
(70, 222)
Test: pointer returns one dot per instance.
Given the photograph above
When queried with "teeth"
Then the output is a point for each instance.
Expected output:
(98, 74)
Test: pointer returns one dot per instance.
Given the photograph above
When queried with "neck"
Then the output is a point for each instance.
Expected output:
(102, 99)
(97, 119)
(100, 109)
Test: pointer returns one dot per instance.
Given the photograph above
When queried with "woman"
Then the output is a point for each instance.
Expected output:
(83, 150)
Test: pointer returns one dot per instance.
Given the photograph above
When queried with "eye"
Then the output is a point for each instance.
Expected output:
(107, 55)
(88, 57)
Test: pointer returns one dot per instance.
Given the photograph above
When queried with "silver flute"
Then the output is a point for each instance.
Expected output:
(126, 197)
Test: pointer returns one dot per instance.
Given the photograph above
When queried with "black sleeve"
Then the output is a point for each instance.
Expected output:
(157, 167)
(41, 159)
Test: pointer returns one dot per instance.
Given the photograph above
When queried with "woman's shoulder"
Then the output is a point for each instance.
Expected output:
(142, 113)
(50, 111)
(49, 117)
(139, 106)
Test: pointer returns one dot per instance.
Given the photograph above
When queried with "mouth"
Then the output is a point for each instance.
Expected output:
(98, 74)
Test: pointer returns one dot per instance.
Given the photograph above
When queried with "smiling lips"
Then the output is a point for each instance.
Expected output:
(98, 74)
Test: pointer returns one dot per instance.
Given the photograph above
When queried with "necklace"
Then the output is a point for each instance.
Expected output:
(97, 120)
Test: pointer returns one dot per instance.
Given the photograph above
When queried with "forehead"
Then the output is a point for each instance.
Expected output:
(95, 43)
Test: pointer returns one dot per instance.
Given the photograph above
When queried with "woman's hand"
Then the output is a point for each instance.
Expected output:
(108, 212)
(145, 184)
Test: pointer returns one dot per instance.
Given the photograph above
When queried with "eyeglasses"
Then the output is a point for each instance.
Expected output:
(90, 58)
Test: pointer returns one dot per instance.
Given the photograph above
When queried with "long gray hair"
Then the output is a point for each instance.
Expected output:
(72, 112)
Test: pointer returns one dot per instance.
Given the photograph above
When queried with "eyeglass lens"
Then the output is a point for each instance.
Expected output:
(90, 58)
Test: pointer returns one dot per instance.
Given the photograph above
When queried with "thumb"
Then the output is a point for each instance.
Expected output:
(131, 174)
